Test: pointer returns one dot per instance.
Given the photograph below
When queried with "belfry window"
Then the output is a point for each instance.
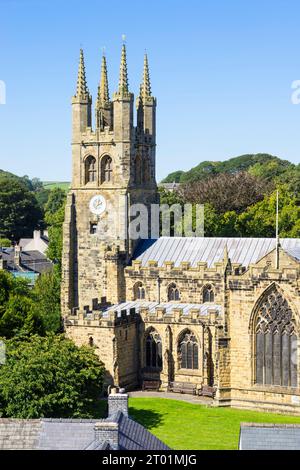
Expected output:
(106, 169)
(139, 291)
(188, 351)
(153, 350)
(173, 292)
(208, 294)
(90, 169)
(276, 343)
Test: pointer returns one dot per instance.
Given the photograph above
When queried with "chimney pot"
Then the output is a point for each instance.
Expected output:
(117, 401)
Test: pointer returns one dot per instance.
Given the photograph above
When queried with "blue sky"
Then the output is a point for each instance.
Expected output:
(221, 71)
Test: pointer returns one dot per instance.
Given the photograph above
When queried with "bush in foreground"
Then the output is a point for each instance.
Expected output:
(49, 377)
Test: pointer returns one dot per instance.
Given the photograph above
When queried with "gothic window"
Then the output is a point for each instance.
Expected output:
(153, 350)
(188, 351)
(90, 169)
(275, 343)
(173, 292)
(106, 169)
(139, 291)
(208, 294)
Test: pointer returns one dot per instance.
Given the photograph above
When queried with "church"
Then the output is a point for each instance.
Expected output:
(207, 313)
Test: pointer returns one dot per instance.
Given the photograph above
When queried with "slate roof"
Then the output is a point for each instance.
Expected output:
(30, 261)
(133, 436)
(73, 434)
(269, 436)
(168, 306)
(39, 242)
(244, 251)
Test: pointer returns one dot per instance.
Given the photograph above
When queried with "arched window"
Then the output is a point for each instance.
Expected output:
(139, 291)
(208, 294)
(153, 350)
(275, 342)
(173, 292)
(91, 341)
(188, 351)
(106, 169)
(90, 169)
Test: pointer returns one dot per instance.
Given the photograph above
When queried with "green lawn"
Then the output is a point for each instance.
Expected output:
(56, 184)
(185, 426)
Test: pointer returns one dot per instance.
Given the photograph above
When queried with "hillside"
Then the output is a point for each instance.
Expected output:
(64, 185)
(261, 164)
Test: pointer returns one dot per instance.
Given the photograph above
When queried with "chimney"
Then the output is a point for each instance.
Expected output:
(107, 432)
(17, 256)
(117, 401)
(36, 234)
(3, 262)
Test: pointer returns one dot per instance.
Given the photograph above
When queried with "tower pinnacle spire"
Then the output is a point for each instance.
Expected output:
(145, 89)
(123, 80)
(81, 89)
(103, 91)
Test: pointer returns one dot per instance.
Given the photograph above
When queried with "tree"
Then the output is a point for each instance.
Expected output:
(19, 210)
(259, 219)
(226, 191)
(5, 242)
(25, 311)
(49, 377)
(46, 297)
(54, 217)
(56, 200)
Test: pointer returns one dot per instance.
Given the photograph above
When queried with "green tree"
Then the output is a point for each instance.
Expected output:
(56, 200)
(54, 217)
(46, 296)
(5, 242)
(49, 377)
(19, 210)
(16, 307)
(259, 219)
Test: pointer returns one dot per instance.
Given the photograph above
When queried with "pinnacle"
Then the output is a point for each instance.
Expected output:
(123, 80)
(103, 92)
(145, 86)
(82, 89)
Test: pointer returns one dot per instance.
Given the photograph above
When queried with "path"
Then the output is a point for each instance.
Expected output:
(173, 396)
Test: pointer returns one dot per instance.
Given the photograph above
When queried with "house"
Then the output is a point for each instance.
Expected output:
(266, 436)
(39, 242)
(116, 432)
(24, 264)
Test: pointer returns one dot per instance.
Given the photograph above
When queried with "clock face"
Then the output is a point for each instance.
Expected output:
(97, 204)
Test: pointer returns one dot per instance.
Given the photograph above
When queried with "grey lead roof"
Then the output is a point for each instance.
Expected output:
(168, 306)
(269, 437)
(243, 251)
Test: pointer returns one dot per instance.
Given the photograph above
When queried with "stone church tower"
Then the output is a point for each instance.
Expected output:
(113, 167)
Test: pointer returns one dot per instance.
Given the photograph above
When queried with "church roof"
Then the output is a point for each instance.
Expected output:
(244, 251)
(167, 306)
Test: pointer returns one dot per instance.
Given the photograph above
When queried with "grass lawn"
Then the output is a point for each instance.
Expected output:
(186, 426)
(56, 184)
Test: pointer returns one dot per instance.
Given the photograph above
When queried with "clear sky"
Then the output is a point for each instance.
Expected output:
(221, 71)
